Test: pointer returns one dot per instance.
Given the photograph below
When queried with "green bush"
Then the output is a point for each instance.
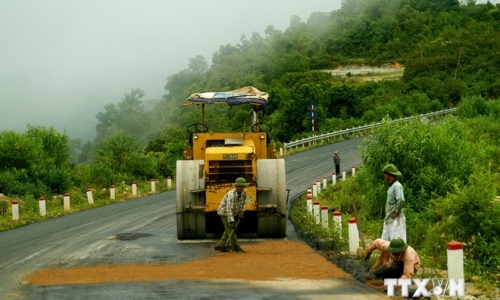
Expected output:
(434, 158)
(450, 179)
(142, 166)
(4, 206)
(103, 176)
(82, 176)
(471, 107)
(471, 215)
(34, 162)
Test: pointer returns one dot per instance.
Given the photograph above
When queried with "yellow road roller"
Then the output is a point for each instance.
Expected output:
(212, 162)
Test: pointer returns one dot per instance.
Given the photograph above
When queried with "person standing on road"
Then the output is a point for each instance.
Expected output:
(336, 161)
(232, 207)
(395, 221)
(397, 260)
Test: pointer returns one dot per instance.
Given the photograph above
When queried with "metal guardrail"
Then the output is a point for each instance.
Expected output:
(314, 139)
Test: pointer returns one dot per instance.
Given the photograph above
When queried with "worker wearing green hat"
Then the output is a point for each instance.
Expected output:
(396, 260)
(395, 220)
(232, 207)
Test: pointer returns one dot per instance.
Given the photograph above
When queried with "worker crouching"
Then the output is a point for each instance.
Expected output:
(397, 260)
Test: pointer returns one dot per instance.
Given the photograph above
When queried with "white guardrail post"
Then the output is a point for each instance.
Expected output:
(15, 210)
(353, 236)
(112, 192)
(66, 203)
(337, 221)
(42, 206)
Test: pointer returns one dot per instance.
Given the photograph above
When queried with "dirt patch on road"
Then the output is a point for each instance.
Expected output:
(267, 260)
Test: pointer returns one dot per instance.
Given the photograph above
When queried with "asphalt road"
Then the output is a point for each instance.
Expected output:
(144, 231)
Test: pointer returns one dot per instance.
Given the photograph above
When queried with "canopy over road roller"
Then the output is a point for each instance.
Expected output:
(213, 161)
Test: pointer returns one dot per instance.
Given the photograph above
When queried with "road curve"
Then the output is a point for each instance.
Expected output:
(143, 231)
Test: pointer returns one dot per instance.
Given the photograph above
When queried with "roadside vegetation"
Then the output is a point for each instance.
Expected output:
(449, 51)
(29, 207)
(451, 183)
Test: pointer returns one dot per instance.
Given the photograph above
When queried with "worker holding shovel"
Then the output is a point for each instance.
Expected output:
(232, 207)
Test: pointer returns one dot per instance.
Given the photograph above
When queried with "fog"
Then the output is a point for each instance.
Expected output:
(62, 61)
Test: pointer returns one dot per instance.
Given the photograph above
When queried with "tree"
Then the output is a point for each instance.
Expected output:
(36, 162)
(54, 168)
(130, 117)
(120, 158)
(198, 65)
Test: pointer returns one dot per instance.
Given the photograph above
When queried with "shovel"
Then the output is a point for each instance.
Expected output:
(229, 237)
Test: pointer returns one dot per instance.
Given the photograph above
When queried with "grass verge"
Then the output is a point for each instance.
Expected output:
(29, 207)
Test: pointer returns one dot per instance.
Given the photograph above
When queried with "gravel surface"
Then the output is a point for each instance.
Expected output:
(271, 260)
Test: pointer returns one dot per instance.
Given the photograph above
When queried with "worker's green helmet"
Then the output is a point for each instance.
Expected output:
(391, 169)
(397, 245)
(240, 181)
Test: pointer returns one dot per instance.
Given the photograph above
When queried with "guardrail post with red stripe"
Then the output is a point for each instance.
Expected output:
(134, 189)
(112, 192)
(455, 255)
(42, 206)
(15, 210)
(353, 236)
(337, 222)
(66, 203)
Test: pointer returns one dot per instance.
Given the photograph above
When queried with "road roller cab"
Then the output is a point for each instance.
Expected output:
(213, 161)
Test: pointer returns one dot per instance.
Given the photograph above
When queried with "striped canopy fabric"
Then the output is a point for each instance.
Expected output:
(247, 94)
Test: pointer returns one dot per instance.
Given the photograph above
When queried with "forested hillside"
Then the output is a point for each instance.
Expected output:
(450, 50)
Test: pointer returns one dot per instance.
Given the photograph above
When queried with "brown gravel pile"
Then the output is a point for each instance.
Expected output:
(267, 260)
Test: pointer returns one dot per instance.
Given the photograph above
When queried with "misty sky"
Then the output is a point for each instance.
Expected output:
(62, 61)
